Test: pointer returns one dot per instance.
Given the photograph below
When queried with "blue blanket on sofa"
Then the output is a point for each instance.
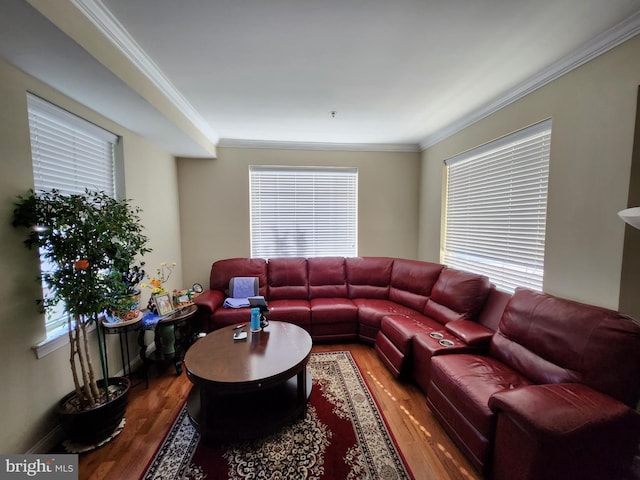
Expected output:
(241, 288)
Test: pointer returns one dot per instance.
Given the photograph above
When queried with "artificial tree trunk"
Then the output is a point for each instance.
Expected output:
(87, 390)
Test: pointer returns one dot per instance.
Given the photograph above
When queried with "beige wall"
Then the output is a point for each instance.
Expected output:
(31, 387)
(593, 111)
(214, 202)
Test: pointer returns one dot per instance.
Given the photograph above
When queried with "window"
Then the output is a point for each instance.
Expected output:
(303, 211)
(68, 154)
(496, 208)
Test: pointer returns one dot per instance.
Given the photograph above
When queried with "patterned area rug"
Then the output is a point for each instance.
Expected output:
(343, 436)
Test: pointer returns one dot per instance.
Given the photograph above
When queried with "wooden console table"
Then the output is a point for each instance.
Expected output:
(121, 329)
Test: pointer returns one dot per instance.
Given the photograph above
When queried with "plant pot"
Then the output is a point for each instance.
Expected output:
(89, 427)
(167, 340)
(131, 311)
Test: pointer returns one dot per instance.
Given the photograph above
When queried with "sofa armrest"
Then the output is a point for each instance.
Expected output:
(559, 409)
(209, 300)
(471, 333)
(562, 431)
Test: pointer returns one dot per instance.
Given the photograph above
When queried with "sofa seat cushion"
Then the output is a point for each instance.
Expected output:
(470, 380)
(334, 319)
(401, 329)
(424, 347)
(223, 317)
(333, 311)
(294, 311)
(370, 313)
(458, 394)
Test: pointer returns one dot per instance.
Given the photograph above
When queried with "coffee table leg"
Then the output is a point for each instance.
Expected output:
(302, 392)
(204, 415)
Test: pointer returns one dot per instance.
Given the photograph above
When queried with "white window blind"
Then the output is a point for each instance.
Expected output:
(68, 154)
(496, 208)
(303, 211)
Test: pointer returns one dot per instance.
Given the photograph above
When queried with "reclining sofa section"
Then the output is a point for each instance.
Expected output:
(529, 386)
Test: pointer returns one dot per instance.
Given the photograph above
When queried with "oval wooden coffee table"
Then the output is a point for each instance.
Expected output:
(248, 388)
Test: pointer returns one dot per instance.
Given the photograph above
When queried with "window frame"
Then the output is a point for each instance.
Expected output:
(490, 226)
(335, 218)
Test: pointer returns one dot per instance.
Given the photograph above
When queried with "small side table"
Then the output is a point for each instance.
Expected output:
(180, 322)
(121, 329)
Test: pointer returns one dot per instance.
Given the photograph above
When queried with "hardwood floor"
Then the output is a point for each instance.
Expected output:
(430, 453)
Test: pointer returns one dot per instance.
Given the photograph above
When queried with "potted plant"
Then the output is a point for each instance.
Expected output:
(89, 241)
(129, 310)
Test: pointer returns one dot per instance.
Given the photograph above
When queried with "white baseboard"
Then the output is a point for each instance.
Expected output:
(48, 442)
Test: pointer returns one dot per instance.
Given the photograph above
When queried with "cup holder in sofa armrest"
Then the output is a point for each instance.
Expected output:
(445, 342)
(469, 332)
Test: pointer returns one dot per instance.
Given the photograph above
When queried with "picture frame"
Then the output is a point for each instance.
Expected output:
(164, 306)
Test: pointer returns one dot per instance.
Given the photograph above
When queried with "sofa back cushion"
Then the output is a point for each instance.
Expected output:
(224, 270)
(327, 277)
(554, 340)
(457, 295)
(412, 281)
(368, 277)
(287, 279)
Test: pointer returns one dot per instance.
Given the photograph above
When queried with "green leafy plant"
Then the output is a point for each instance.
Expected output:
(91, 241)
(133, 277)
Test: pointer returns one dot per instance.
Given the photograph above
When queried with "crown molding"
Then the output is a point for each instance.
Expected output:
(349, 147)
(595, 47)
(115, 32)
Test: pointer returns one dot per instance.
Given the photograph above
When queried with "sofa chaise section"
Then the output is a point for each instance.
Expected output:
(553, 398)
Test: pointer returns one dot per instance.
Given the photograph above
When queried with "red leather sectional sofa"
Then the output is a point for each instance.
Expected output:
(529, 386)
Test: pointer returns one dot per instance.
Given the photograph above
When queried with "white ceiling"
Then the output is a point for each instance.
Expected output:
(399, 74)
